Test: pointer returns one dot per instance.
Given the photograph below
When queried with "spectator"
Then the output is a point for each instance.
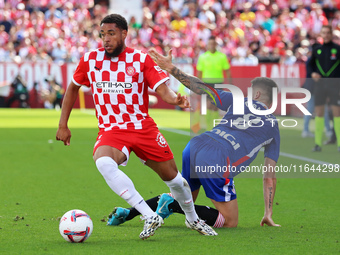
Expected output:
(176, 5)
(20, 92)
(59, 52)
(6, 22)
(268, 23)
(53, 12)
(55, 93)
(206, 16)
(251, 60)
(289, 58)
(237, 60)
(203, 33)
(178, 24)
(145, 34)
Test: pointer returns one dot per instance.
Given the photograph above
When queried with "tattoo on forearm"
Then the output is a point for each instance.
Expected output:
(270, 196)
(189, 81)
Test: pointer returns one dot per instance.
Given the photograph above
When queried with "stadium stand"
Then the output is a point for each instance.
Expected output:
(247, 31)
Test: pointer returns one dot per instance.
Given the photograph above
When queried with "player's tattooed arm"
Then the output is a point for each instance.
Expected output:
(191, 82)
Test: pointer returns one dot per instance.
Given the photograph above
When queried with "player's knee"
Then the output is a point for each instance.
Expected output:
(106, 166)
(230, 223)
(104, 162)
(180, 189)
(179, 184)
(176, 183)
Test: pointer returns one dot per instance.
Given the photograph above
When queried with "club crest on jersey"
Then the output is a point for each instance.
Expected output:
(333, 52)
(130, 70)
(161, 140)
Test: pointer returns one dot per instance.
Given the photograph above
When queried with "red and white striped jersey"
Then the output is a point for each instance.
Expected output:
(120, 87)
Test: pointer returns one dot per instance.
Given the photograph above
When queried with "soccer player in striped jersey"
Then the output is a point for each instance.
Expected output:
(119, 78)
(234, 144)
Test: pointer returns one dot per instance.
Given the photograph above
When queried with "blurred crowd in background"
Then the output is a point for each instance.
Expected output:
(248, 32)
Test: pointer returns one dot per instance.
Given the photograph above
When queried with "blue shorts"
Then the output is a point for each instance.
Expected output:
(199, 154)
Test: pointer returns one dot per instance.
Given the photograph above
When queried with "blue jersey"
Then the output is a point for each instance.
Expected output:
(244, 135)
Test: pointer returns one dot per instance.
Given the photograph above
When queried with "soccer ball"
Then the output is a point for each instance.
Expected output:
(75, 226)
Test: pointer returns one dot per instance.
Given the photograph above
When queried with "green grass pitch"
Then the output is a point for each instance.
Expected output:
(41, 179)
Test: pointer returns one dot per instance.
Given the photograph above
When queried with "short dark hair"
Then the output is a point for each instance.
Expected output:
(329, 27)
(117, 19)
(266, 84)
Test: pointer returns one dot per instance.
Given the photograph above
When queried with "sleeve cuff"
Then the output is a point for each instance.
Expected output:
(76, 83)
(159, 83)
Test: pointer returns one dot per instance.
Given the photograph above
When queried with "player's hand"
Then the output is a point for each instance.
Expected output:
(269, 221)
(64, 134)
(315, 76)
(182, 101)
(164, 62)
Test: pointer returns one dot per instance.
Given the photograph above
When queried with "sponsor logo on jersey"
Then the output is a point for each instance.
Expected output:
(113, 87)
(130, 70)
(230, 138)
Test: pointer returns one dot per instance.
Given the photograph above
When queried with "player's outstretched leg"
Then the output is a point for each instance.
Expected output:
(122, 185)
(118, 216)
(181, 191)
(201, 227)
(151, 224)
(164, 201)
(165, 205)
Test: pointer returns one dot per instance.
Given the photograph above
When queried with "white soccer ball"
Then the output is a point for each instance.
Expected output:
(75, 226)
